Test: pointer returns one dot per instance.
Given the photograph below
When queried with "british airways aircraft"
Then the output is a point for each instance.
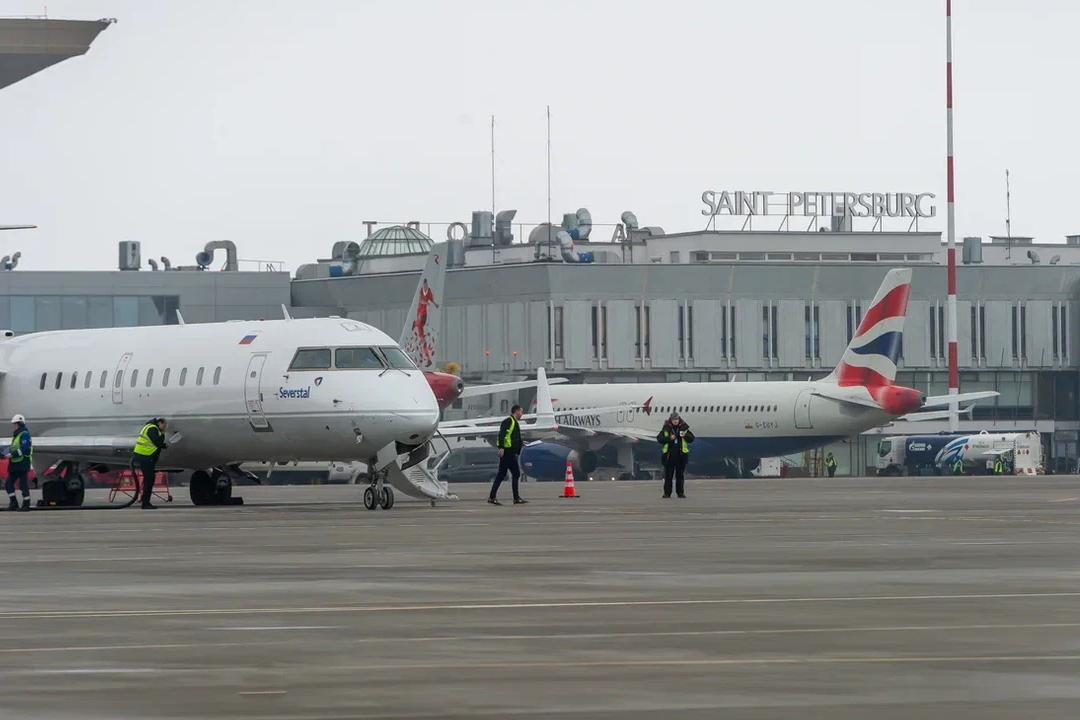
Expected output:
(736, 424)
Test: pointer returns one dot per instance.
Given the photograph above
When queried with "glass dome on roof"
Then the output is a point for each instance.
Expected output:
(395, 240)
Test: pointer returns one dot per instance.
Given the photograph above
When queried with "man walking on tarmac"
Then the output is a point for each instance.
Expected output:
(675, 436)
(509, 445)
(147, 451)
(19, 455)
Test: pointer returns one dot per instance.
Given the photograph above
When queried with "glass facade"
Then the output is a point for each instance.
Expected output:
(34, 313)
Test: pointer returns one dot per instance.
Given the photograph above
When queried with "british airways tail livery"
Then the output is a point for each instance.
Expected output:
(736, 424)
(420, 336)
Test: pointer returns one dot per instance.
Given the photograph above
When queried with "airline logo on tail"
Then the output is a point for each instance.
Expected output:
(871, 357)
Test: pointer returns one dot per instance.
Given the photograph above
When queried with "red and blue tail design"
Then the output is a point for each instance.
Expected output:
(871, 356)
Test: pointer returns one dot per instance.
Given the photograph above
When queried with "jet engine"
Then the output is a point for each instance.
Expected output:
(446, 387)
(547, 461)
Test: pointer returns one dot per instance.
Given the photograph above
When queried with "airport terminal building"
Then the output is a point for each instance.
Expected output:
(771, 288)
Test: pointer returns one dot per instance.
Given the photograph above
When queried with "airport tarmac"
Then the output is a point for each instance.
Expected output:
(812, 599)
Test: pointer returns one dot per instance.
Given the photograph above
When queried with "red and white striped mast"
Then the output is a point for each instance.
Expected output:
(950, 308)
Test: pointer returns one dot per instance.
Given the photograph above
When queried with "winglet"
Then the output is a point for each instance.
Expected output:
(545, 410)
(285, 312)
(180, 318)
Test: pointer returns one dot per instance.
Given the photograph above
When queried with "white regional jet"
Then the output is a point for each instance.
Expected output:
(233, 392)
(739, 423)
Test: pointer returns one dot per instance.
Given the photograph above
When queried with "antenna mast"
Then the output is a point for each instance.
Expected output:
(1008, 209)
(950, 307)
(550, 237)
(493, 168)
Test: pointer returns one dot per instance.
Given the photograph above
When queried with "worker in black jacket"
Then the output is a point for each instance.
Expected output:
(509, 444)
(675, 437)
(148, 447)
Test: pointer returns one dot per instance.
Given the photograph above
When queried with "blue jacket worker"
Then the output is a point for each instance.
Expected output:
(148, 449)
(19, 456)
(509, 444)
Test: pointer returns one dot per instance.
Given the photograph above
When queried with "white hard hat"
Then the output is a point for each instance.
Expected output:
(18, 419)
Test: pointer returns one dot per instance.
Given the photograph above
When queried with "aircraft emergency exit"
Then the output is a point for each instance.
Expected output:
(736, 424)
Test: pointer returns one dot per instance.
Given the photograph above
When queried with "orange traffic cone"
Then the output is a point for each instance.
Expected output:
(569, 491)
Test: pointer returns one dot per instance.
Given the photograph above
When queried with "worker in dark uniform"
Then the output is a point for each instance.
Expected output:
(148, 449)
(20, 455)
(509, 444)
(830, 464)
(675, 437)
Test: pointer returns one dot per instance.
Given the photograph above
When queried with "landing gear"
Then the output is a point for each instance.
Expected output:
(64, 489)
(212, 488)
(378, 494)
(379, 498)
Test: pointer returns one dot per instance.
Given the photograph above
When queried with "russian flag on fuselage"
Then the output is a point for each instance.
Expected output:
(871, 357)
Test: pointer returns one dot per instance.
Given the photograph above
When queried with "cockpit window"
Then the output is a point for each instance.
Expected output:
(311, 359)
(357, 357)
(397, 358)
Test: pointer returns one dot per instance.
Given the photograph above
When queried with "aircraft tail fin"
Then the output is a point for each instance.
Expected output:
(871, 356)
(420, 335)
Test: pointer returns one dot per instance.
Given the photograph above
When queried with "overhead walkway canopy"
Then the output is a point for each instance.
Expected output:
(29, 45)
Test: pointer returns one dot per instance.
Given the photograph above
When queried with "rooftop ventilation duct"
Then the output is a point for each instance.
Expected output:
(204, 258)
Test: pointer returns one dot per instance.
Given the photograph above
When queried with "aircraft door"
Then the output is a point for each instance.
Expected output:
(253, 397)
(119, 377)
(802, 410)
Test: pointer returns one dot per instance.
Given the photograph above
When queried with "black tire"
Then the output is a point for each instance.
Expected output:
(201, 488)
(369, 498)
(387, 497)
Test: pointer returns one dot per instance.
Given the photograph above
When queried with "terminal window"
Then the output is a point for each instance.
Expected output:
(33, 313)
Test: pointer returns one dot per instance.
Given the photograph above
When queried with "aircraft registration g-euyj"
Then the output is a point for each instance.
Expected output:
(736, 424)
(232, 392)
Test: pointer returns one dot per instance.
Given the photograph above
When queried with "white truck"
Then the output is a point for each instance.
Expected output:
(1021, 453)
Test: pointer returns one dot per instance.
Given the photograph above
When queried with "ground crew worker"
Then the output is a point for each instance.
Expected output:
(509, 444)
(999, 466)
(148, 449)
(675, 437)
(830, 464)
(19, 455)
(958, 466)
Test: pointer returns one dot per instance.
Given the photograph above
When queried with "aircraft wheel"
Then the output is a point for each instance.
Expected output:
(201, 487)
(433, 502)
(387, 497)
(369, 498)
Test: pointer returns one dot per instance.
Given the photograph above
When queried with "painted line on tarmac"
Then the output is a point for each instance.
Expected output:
(155, 646)
(713, 633)
(804, 660)
(487, 606)
(547, 636)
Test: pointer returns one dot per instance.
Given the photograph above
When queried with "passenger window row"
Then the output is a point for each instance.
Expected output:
(698, 409)
(118, 378)
(351, 358)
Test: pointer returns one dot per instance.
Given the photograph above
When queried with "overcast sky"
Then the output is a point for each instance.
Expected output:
(282, 125)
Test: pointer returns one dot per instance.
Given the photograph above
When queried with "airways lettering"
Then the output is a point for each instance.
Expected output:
(578, 420)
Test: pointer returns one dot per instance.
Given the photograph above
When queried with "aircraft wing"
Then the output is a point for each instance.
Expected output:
(575, 432)
(544, 417)
(938, 400)
(933, 415)
(101, 448)
(476, 390)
